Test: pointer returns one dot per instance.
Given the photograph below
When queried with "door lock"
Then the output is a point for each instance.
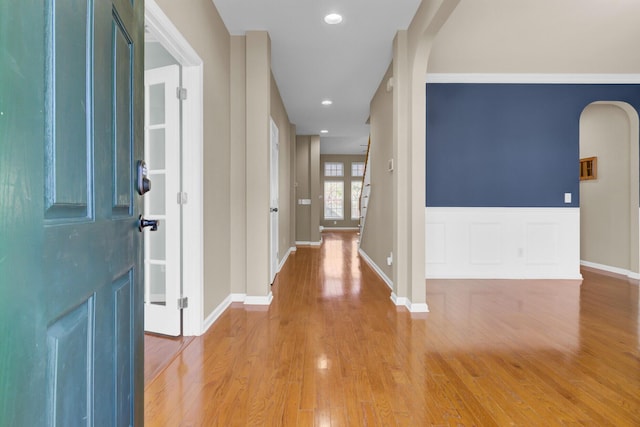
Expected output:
(144, 184)
(153, 223)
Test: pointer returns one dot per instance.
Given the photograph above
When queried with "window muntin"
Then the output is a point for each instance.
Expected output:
(357, 169)
(333, 169)
(333, 200)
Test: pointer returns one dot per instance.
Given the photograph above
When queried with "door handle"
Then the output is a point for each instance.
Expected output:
(273, 210)
(142, 223)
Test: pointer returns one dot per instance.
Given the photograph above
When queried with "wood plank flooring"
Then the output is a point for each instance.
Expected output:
(333, 350)
(159, 351)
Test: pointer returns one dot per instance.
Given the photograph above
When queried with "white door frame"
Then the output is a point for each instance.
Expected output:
(163, 30)
(274, 199)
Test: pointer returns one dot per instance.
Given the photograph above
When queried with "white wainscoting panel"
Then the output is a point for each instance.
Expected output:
(484, 247)
(503, 243)
(435, 245)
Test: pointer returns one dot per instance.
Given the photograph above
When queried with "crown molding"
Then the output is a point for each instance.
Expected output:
(533, 78)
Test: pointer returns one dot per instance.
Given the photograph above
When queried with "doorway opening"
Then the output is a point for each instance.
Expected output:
(173, 51)
(160, 29)
(609, 204)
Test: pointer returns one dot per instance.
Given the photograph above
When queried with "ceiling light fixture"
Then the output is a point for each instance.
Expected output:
(333, 19)
(327, 102)
(324, 131)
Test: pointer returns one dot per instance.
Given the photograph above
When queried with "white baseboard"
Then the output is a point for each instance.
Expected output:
(216, 313)
(418, 308)
(615, 270)
(502, 243)
(313, 244)
(258, 300)
(238, 297)
(375, 268)
(340, 228)
(286, 256)
(398, 301)
(406, 302)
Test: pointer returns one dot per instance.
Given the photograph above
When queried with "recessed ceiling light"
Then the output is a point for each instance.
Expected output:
(324, 131)
(327, 102)
(333, 19)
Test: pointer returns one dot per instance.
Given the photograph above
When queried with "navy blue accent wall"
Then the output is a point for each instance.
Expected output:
(508, 145)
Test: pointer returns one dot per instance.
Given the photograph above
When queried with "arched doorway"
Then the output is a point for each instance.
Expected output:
(609, 205)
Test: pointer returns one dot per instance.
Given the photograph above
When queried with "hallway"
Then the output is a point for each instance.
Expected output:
(333, 350)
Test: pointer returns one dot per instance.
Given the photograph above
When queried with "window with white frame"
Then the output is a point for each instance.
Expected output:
(357, 169)
(356, 189)
(333, 169)
(334, 200)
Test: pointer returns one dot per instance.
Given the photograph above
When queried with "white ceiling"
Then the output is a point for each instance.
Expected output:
(312, 61)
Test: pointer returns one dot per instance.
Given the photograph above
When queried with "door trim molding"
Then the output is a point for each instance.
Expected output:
(163, 30)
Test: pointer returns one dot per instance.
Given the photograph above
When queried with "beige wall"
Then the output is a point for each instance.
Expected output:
(347, 178)
(377, 236)
(303, 189)
(608, 205)
(258, 101)
(543, 36)
(203, 28)
(238, 217)
(293, 159)
(307, 186)
(258, 124)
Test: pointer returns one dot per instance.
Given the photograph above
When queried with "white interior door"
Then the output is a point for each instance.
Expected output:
(162, 247)
(274, 200)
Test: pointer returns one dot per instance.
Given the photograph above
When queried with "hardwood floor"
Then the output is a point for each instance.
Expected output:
(159, 351)
(333, 350)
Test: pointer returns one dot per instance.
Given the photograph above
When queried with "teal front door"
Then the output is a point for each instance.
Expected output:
(71, 293)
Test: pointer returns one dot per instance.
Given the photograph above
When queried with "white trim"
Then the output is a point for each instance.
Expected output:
(238, 297)
(253, 300)
(502, 243)
(375, 268)
(216, 313)
(163, 30)
(405, 302)
(418, 308)
(314, 244)
(533, 78)
(399, 301)
(615, 270)
(274, 177)
(286, 256)
(341, 228)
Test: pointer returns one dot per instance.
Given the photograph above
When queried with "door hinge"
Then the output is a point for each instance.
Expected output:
(183, 198)
(183, 303)
(181, 93)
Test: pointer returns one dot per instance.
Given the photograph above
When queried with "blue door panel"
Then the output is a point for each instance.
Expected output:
(122, 60)
(68, 95)
(71, 284)
(70, 367)
(123, 350)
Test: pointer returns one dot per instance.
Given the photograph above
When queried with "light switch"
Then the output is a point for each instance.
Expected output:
(567, 197)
